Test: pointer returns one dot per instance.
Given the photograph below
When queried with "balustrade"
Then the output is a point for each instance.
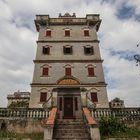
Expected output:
(35, 113)
(128, 114)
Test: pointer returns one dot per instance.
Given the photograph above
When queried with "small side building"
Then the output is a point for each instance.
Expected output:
(18, 99)
(116, 103)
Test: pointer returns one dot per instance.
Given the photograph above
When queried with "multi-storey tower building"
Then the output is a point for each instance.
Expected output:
(68, 69)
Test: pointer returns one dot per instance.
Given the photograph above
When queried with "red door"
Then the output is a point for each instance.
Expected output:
(68, 107)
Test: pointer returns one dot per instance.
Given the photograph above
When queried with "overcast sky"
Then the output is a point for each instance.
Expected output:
(119, 35)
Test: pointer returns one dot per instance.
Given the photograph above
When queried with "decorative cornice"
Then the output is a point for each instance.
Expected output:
(60, 41)
(99, 84)
(67, 61)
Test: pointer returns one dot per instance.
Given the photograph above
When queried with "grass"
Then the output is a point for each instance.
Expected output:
(33, 136)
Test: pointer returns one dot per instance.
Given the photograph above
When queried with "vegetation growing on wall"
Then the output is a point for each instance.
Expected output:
(19, 104)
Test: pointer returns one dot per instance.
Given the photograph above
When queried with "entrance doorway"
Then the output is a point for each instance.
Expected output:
(68, 107)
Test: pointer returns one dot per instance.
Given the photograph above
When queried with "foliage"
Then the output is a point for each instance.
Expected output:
(112, 127)
(19, 104)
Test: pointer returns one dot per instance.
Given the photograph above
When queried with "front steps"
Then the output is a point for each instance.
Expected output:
(70, 129)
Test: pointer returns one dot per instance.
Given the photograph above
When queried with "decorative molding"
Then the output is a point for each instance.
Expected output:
(99, 84)
(67, 61)
(57, 41)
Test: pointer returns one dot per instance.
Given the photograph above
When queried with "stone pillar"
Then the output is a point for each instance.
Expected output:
(54, 99)
(48, 132)
(95, 133)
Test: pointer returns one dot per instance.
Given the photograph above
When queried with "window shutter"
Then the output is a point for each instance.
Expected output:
(45, 71)
(91, 71)
(67, 32)
(48, 33)
(94, 97)
(43, 96)
(68, 71)
(86, 32)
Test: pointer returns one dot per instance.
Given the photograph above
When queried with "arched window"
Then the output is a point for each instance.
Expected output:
(45, 70)
(68, 70)
(91, 70)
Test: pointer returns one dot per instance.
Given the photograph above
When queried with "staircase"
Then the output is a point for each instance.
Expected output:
(70, 129)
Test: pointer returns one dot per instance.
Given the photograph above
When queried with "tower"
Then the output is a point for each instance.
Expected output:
(68, 69)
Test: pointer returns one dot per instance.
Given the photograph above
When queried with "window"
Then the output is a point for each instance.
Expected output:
(94, 97)
(45, 71)
(91, 72)
(48, 33)
(67, 32)
(67, 49)
(86, 32)
(68, 71)
(43, 96)
(46, 50)
(88, 50)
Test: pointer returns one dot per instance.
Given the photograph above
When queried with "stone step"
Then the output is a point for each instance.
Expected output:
(71, 130)
(72, 138)
(72, 123)
(86, 137)
(69, 120)
(70, 126)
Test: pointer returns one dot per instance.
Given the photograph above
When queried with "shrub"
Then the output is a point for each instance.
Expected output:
(111, 126)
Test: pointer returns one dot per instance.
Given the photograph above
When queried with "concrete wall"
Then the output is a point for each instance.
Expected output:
(23, 125)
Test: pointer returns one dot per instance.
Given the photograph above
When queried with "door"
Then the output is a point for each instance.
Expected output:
(68, 107)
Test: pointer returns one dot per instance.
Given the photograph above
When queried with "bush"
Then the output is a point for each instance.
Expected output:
(110, 126)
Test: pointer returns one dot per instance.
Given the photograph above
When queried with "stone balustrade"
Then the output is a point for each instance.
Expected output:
(34, 113)
(39, 113)
(126, 114)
